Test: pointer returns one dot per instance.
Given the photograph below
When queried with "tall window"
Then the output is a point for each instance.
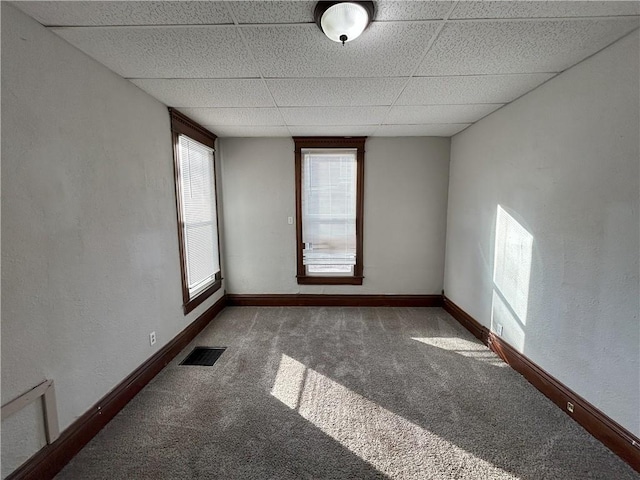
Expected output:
(197, 210)
(329, 191)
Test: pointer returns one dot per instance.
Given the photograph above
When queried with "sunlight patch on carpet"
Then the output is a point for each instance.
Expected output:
(289, 382)
(463, 347)
(392, 444)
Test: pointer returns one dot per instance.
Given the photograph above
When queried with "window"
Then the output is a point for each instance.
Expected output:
(329, 194)
(197, 210)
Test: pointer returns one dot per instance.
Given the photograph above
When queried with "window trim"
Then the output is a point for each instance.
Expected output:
(183, 125)
(338, 143)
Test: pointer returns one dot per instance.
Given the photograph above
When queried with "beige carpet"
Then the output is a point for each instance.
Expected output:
(343, 393)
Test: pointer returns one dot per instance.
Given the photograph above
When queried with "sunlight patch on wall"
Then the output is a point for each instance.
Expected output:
(390, 443)
(512, 262)
(501, 314)
(511, 274)
(465, 348)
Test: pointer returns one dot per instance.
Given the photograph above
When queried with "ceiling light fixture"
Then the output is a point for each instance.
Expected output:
(343, 21)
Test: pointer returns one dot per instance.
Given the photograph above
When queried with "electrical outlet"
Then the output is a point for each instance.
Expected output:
(290, 220)
(152, 338)
(499, 329)
(570, 407)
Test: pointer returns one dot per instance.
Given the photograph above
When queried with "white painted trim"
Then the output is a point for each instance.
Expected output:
(50, 410)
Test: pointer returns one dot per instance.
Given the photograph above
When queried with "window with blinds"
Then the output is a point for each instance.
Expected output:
(197, 210)
(199, 214)
(329, 211)
(329, 193)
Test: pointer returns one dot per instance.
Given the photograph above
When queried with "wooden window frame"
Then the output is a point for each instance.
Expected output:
(338, 143)
(183, 125)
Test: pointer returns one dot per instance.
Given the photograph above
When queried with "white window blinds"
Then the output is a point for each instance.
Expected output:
(329, 210)
(200, 230)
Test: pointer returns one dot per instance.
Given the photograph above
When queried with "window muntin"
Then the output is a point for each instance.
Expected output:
(194, 160)
(329, 194)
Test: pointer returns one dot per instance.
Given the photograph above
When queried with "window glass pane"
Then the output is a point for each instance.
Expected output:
(329, 210)
(199, 212)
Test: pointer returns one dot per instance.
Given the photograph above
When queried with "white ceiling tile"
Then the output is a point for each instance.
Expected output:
(235, 116)
(300, 92)
(331, 131)
(528, 9)
(469, 89)
(520, 46)
(323, 88)
(273, 11)
(439, 113)
(243, 131)
(412, 10)
(383, 50)
(165, 52)
(432, 130)
(333, 115)
(254, 12)
(126, 13)
(241, 92)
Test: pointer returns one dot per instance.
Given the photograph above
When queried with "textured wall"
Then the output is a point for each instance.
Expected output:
(90, 259)
(563, 163)
(404, 216)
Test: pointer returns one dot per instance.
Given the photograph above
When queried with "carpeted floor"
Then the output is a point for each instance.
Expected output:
(343, 393)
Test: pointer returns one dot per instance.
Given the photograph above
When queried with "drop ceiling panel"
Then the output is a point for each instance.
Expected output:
(191, 56)
(333, 115)
(439, 113)
(273, 12)
(254, 12)
(126, 13)
(469, 89)
(331, 131)
(242, 131)
(383, 50)
(165, 52)
(300, 92)
(413, 10)
(465, 48)
(235, 116)
(432, 130)
(502, 9)
(241, 92)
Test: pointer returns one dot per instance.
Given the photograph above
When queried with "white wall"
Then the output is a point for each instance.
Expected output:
(90, 259)
(405, 194)
(563, 161)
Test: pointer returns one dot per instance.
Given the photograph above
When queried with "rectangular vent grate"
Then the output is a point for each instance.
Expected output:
(205, 356)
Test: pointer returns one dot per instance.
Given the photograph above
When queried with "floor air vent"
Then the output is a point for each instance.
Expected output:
(206, 356)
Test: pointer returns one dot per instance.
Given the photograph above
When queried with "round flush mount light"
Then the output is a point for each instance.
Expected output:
(343, 21)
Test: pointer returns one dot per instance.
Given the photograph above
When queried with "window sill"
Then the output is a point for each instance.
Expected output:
(202, 296)
(309, 280)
